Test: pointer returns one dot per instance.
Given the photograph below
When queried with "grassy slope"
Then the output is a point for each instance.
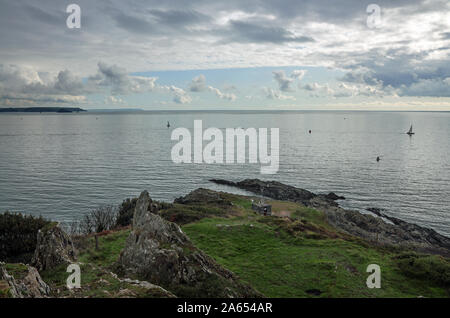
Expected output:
(286, 259)
(278, 257)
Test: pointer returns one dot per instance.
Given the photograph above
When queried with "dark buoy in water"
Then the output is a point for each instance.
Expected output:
(378, 158)
(310, 131)
(168, 125)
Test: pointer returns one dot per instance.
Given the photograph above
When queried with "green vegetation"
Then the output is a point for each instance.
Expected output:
(18, 271)
(304, 257)
(183, 214)
(4, 290)
(96, 282)
(125, 214)
(96, 266)
(431, 268)
(109, 248)
(294, 253)
(18, 236)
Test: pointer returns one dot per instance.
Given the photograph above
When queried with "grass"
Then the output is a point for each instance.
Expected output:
(281, 257)
(18, 271)
(96, 265)
(110, 247)
(183, 214)
(4, 290)
(299, 256)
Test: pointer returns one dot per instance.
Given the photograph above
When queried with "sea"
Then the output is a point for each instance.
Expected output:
(61, 166)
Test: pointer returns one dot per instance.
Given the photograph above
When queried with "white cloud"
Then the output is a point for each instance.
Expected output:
(298, 74)
(116, 78)
(24, 85)
(179, 95)
(284, 82)
(113, 100)
(198, 84)
(317, 90)
(228, 96)
(270, 93)
(407, 56)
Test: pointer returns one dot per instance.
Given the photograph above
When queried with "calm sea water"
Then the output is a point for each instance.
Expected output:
(63, 165)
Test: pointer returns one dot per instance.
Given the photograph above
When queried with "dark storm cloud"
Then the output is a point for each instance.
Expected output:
(134, 23)
(179, 17)
(140, 35)
(408, 74)
(261, 32)
(47, 16)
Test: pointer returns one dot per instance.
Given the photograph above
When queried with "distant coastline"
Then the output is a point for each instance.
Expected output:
(42, 110)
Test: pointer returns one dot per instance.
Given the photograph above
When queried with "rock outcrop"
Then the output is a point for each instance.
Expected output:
(353, 222)
(28, 285)
(203, 196)
(54, 247)
(271, 189)
(159, 252)
(399, 233)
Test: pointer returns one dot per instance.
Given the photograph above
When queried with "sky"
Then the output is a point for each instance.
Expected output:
(234, 54)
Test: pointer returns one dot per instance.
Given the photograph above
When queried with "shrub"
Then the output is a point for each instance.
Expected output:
(18, 236)
(126, 211)
(427, 267)
(98, 220)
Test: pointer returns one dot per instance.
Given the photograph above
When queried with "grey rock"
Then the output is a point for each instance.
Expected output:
(375, 229)
(376, 211)
(150, 287)
(333, 196)
(159, 252)
(271, 189)
(29, 286)
(203, 196)
(366, 226)
(54, 247)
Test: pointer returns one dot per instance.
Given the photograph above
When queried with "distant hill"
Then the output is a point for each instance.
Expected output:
(42, 110)
(115, 110)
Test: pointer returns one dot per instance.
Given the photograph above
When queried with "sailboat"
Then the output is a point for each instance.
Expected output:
(410, 131)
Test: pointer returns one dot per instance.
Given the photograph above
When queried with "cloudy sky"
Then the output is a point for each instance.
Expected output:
(234, 54)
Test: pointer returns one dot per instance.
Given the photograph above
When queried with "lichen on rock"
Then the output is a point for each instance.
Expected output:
(54, 247)
(30, 285)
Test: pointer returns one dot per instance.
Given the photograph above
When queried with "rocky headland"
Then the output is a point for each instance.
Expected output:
(213, 244)
(159, 252)
(366, 226)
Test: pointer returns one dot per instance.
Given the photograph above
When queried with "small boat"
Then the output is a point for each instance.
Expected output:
(410, 131)
(168, 125)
